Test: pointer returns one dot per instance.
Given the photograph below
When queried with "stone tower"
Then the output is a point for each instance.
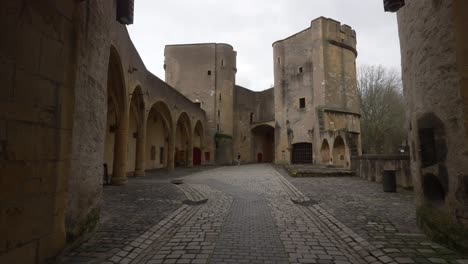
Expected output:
(205, 73)
(316, 99)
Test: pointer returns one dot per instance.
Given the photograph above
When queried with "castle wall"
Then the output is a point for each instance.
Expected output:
(250, 109)
(37, 70)
(54, 65)
(294, 62)
(434, 68)
(205, 73)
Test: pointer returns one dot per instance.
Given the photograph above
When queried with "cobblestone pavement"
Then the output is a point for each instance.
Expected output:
(253, 214)
(128, 211)
(386, 220)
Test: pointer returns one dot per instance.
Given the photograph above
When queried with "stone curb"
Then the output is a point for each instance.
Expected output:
(352, 240)
(193, 194)
(358, 244)
(297, 196)
(137, 250)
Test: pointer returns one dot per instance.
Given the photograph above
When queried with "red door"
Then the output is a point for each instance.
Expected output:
(196, 156)
(259, 158)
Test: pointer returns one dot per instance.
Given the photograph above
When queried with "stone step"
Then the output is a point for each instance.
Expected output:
(318, 171)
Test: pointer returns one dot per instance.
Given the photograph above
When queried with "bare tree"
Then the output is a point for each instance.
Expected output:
(382, 110)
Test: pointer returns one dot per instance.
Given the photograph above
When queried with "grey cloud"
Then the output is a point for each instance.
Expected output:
(252, 26)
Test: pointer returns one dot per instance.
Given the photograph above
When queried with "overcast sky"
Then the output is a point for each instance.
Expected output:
(251, 26)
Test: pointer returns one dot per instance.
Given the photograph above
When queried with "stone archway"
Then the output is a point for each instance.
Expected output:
(158, 137)
(115, 152)
(339, 152)
(198, 135)
(325, 152)
(263, 144)
(183, 142)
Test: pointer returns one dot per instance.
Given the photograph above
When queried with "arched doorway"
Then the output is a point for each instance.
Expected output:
(259, 157)
(339, 152)
(325, 152)
(183, 143)
(158, 136)
(135, 133)
(115, 152)
(301, 153)
(197, 144)
(263, 143)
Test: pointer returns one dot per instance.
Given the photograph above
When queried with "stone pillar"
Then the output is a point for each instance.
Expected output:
(119, 175)
(190, 151)
(140, 150)
(171, 151)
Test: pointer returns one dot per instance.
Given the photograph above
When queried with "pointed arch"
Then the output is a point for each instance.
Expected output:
(339, 152)
(115, 152)
(159, 131)
(325, 152)
(183, 142)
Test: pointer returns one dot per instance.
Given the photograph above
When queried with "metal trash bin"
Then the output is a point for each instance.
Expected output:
(389, 181)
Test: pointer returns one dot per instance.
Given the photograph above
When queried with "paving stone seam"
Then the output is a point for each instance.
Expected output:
(352, 243)
(296, 195)
(195, 239)
(334, 223)
(135, 250)
(164, 238)
(359, 245)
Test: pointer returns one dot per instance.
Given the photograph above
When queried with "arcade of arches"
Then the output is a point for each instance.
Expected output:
(336, 155)
(158, 137)
(83, 106)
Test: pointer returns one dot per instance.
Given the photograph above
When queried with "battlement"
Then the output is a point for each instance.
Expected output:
(201, 44)
(335, 32)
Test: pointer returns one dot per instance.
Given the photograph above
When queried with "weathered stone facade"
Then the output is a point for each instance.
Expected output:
(78, 104)
(371, 167)
(317, 65)
(311, 115)
(434, 53)
(75, 95)
(205, 73)
(254, 127)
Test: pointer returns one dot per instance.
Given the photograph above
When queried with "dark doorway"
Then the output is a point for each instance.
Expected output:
(302, 153)
(259, 158)
(263, 144)
(196, 156)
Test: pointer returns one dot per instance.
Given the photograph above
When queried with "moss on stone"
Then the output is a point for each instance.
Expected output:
(84, 227)
(439, 227)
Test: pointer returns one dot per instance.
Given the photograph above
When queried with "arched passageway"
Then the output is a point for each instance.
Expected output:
(325, 152)
(301, 153)
(339, 152)
(158, 137)
(197, 144)
(263, 143)
(136, 134)
(115, 152)
(183, 142)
